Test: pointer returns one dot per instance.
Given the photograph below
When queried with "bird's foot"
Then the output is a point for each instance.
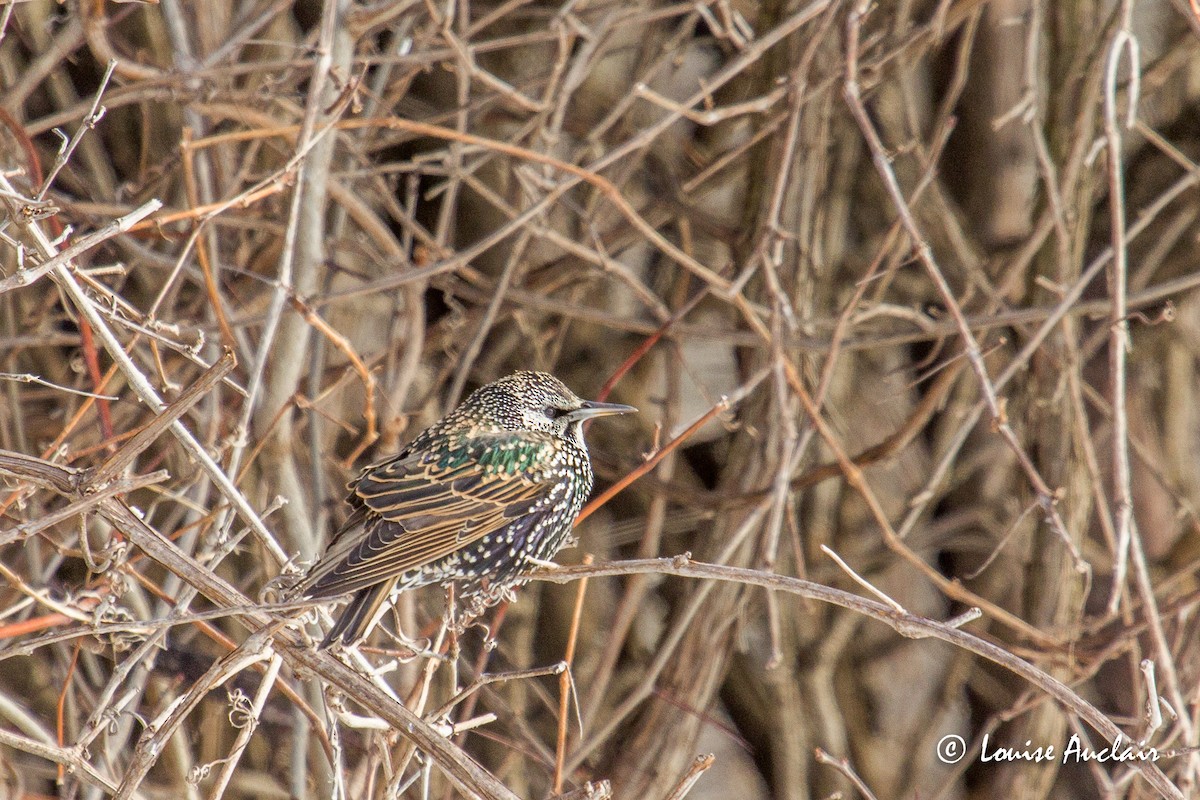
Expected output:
(282, 587)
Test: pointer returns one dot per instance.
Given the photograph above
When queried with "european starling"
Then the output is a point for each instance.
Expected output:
(477, 499)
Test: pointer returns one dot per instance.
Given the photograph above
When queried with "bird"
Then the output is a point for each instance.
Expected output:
(476, 500)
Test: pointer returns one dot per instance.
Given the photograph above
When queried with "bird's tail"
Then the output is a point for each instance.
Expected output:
(358, 617)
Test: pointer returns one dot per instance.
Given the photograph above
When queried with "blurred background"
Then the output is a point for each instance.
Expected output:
(379, 206)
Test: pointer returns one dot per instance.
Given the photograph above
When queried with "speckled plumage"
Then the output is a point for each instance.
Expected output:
(475, 500)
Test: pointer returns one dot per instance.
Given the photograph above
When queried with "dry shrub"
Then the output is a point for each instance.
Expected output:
(924, 275)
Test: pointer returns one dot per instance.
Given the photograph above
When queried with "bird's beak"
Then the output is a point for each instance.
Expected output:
(593, 408)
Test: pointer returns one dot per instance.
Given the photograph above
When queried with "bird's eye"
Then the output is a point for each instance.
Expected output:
(552, 412)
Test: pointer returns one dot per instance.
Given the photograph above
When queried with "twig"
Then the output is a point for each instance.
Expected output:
(28, 378)
(863, 582)
(25, 277)
(842, 765)
(1123, 42)
(68, 757)
(1046, 498)
(565, 682)
(142, 387)
(119, 460)
(724, 405)
(693, 774)
(159, 730)
(100, 492)
(89, 122)
(908, 625)
(247, 724)
(365, 375)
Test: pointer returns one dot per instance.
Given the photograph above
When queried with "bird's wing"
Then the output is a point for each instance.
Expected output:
(416, 509)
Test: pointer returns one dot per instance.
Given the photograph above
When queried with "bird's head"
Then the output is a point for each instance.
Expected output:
(537, 401)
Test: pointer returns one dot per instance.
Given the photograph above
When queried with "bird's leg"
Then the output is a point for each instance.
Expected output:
(404, 650)
(493, 630)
